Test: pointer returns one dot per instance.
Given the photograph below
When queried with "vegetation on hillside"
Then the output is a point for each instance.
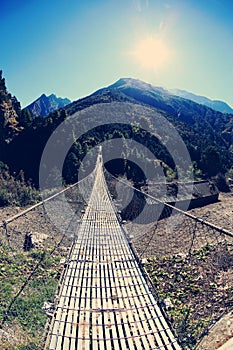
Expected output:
(15, 190)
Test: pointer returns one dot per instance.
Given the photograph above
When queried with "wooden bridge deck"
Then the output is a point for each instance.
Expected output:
(104, 300)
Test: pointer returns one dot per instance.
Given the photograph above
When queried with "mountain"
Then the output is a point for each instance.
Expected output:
(208, 134)
(214, 104)
(44, 105)
(176, 108)
(155, 96)
(180, 109)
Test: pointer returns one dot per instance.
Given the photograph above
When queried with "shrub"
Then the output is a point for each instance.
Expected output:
(15, 191)
(221, 183)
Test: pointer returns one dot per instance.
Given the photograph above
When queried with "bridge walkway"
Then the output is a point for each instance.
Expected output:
(104, 301)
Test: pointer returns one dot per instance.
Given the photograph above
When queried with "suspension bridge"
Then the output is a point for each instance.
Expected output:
(104, 299)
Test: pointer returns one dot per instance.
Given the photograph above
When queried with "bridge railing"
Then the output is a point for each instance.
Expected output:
(188, 260)
(34, 245)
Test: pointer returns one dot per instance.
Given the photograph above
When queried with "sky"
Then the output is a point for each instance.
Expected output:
(73, 47)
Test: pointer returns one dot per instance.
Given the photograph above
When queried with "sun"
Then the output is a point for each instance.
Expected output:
(151, 53)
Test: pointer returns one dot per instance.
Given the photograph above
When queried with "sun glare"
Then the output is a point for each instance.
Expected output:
(151, 53)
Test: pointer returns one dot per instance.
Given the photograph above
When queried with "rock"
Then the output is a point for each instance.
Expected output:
(63, 261)
(144, 261)
(28, 244)
(48, 308)
(33, 240)
(168, 304)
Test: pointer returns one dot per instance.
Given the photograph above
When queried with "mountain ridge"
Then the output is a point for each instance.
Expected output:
(217, 105)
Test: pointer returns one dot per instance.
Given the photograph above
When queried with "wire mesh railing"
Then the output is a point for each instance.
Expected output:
(188, 260)
(34, 245)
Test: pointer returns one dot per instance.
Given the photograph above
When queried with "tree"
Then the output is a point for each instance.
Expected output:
(211, 162)
(70, 168)
(230, 172)
(26, 118)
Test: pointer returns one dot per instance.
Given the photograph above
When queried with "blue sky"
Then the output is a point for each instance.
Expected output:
(73, 48)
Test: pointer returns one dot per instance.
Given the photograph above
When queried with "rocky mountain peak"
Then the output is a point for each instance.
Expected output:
(44, 105)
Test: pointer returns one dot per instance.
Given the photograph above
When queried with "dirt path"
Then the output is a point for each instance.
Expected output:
(219, 214)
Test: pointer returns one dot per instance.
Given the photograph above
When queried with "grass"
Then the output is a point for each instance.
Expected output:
(26, 319)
